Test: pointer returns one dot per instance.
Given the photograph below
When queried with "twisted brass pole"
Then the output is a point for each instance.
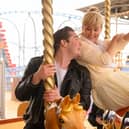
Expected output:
(48, 58)
(47, 22)
(107, 28)
(107, 18)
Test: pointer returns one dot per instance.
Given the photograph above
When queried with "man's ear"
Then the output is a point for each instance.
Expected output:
(63, 43)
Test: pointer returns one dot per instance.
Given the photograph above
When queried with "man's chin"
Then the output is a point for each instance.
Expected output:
(78, 56)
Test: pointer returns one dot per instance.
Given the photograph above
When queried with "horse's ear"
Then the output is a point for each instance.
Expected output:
(66, 101)
(76, 99)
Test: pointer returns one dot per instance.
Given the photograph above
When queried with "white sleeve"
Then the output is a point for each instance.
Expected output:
(92, 54)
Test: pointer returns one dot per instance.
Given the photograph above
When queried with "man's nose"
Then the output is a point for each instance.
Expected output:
(79, 42)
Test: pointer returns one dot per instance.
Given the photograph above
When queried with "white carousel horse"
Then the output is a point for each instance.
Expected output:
(112, 120)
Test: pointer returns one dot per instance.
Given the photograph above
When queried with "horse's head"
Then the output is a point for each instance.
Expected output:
(116, 120)
(68, 115)
(125, 121)
(111, 120)
(71, 114)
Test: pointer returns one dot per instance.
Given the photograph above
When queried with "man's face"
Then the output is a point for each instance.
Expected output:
(74, 45)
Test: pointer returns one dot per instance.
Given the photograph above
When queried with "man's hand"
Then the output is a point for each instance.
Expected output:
(44, 71)
(52, 95)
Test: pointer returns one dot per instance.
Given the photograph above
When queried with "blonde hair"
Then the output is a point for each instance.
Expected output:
(93, 17)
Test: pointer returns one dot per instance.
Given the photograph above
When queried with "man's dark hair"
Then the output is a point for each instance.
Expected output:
(61, 34)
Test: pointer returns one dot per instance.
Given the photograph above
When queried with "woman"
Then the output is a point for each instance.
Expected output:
(110, 88)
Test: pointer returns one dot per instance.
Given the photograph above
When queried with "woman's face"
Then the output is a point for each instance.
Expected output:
(92, 33)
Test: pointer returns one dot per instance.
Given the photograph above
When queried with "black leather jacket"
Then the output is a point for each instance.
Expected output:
(77, 79)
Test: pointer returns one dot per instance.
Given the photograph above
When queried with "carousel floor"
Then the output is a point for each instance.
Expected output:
(11, 105)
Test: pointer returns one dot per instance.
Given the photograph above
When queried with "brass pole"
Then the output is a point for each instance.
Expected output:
(107, 18)
(47, 22)
(48, 58)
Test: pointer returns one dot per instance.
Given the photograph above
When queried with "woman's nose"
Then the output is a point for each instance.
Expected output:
(91, 32)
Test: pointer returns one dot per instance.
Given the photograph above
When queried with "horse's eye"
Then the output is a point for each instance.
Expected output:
(61, 120)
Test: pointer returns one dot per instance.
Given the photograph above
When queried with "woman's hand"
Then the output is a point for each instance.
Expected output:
(118, 43)
(126, 37)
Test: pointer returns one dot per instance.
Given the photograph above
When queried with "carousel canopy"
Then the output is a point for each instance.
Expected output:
(118, 8)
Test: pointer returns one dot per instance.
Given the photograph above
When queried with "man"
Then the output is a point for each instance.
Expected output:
(70, 78)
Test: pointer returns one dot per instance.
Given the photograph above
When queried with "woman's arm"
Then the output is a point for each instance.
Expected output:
(93, 54)
(117, 43)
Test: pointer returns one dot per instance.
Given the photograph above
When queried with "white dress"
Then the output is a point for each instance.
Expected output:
(110, 89)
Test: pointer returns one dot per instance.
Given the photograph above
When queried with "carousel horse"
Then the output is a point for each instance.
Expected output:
(122, 111)
(68, 114)
(112, 120)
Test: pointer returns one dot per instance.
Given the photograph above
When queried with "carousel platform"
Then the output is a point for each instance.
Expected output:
(11, 105)
(11, 120)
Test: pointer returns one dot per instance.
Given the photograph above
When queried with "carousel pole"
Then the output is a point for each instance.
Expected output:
(107, 18)
(47, 22)
(107, 31)
(107, 7)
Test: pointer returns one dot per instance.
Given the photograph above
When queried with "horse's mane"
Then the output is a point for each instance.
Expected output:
(68, 104)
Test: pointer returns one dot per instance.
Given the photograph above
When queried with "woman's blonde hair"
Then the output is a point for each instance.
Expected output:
(93, 17)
